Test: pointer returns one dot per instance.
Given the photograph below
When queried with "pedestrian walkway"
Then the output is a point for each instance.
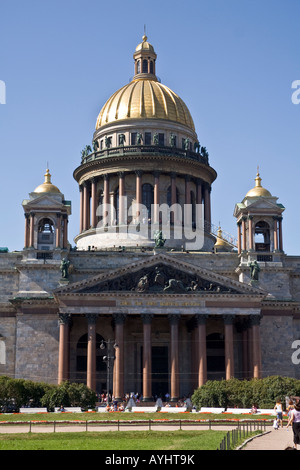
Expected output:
(272, 440)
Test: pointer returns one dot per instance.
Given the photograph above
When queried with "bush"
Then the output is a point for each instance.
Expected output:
(18, 393)
(69, 394)
(244, 393)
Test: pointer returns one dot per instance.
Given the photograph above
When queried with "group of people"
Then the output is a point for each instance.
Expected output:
(293, 413)
(132, 399)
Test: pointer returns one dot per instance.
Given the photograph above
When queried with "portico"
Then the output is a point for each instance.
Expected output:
(179, 320)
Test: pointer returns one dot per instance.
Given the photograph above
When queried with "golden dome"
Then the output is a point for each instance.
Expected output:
(47, 186)
(258, 190)
(220, 240)
(145, 99)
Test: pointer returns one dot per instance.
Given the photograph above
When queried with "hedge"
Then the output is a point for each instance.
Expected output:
(17, 393)
(244, 393)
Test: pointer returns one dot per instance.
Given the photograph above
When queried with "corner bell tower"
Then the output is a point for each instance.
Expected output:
(46, 220)
(259, 222)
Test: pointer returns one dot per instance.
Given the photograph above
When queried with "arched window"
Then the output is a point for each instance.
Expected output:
(46, 233)
(145, 66)
(138, 68)
(262, 236)
(151, 67)
(147, 198)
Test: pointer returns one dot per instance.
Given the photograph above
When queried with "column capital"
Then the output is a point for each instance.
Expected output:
(64, 318)
(228, 319)
(201, 318)
(92, 318)
(147, 318)
(119, 318)
(138, 172)
(174, 318)
(121, 174)
(254, 320)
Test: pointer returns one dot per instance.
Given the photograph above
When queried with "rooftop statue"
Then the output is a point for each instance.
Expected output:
(254, 270)
(64, 268)
(159, 240)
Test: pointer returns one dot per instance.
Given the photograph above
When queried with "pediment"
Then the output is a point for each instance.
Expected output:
(43, 201)
(263, 203)
(160, 274)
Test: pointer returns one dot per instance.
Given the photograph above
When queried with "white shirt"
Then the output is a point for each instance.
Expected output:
(296, 415)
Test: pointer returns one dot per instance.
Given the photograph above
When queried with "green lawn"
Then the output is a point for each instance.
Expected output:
(124, 416)
(131, 440)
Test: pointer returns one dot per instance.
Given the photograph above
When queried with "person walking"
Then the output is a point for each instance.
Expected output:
(279, 411)
(295, 421)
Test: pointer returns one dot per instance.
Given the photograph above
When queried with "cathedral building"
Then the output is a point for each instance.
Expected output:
(152, 298)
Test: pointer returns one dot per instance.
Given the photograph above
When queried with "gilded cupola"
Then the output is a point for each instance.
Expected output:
(145, 97)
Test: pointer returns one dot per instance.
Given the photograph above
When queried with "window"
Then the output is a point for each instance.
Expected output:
(147, 138)
(161, 139)
(116, 206)
(151, 67)
(138, 68)
(147, 198)
(145, 66)
(133, 138)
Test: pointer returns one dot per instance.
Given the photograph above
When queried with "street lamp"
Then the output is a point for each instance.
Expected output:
(109, 359)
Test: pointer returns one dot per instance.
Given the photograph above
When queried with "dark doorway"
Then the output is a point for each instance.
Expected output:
(160, 369)
(215, 356)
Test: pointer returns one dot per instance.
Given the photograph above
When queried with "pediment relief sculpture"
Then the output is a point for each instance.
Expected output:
(160, 279)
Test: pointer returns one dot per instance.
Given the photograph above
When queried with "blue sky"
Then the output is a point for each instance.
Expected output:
(232, 62)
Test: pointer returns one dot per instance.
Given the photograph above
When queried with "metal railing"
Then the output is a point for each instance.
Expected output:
(153, 149)
(240, 431)
(243, 430)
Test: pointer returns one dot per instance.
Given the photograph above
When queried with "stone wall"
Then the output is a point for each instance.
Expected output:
(37, 347)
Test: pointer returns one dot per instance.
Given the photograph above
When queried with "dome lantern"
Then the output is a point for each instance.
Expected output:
(144, 60)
